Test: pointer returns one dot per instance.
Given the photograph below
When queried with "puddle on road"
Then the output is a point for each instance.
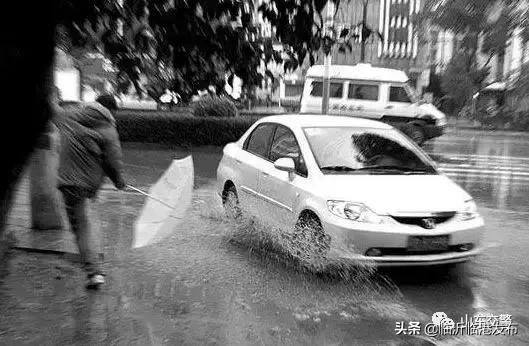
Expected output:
(241, 282)
(338, 297)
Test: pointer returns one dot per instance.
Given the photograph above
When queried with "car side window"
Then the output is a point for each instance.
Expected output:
(335, 89)
(258, 142)
(316, 89)
(398, 94)
(285, 144)
(363, 92)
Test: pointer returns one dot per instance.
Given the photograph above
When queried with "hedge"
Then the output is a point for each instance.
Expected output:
(214, 106)
(177, 111)
(180, 129)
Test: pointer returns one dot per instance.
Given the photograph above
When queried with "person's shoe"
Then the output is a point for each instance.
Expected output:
(95, 281)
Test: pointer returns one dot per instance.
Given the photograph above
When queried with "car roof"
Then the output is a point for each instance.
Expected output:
(359, 72)
(319, 120)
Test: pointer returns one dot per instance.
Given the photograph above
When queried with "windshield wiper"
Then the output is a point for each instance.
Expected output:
(338, 168)
(397, 168)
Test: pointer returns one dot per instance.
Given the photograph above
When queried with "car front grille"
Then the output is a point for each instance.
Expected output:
(405, 252)
(437, 219)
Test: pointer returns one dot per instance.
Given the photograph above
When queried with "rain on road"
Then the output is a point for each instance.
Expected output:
(215, 283)
(239, 295)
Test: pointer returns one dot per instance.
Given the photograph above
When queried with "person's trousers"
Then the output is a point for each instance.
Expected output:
(76, 202)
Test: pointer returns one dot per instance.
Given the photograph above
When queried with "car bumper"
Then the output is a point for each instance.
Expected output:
(416, 260)
(350, 240)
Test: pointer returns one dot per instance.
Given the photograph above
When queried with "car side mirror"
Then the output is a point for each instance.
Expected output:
(285, 164)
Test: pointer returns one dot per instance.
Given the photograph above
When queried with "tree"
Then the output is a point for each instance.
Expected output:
(198, 42)
(366, 30)
(470, 20)
(191, 44)
(493, 20)
(462, 79)
(300, 27)
(465, 18)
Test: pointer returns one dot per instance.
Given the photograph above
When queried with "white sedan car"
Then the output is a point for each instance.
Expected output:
(365, 190)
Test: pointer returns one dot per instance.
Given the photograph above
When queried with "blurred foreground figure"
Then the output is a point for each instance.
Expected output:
(26, 58)
(90, 150)
(45, 199)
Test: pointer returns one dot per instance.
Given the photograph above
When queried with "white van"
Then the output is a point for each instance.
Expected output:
(376, 93)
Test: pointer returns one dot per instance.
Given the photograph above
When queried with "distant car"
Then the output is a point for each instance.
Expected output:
(134, 103)
(374, 93)
(349, 188)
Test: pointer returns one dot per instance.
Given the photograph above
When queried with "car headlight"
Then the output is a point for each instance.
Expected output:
(469, 212)
(441, 121)
(355, 211)
(438, 121)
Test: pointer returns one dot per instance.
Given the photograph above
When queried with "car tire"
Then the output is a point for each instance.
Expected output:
(230, 201)
(417, 134)
(311, 244)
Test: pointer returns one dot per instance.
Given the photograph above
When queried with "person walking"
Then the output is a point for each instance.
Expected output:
(90, 150)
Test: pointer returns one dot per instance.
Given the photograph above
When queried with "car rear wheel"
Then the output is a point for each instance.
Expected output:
(311, 244)
(230, 202)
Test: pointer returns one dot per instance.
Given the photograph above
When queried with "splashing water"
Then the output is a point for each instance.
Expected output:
(338, 288)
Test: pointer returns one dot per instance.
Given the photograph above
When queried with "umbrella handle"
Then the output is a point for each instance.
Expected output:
(150, 196)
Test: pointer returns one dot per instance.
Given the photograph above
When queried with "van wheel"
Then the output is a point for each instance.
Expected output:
(230, 201)
(417, 134)
(311, 244)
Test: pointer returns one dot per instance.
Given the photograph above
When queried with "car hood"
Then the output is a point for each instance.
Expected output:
(429, 109)
(397, 194)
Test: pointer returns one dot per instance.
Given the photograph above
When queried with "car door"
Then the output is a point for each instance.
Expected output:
(313, 96)
(399, 106)
(249, 164)
(336, 96)
(279, 189)
(363, 100)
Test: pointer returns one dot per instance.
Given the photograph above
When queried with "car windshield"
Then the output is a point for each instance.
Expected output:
(352, 150)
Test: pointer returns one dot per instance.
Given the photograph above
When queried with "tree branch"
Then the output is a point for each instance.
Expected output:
(489, 59)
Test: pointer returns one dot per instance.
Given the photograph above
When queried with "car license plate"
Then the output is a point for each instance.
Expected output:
(428, 243)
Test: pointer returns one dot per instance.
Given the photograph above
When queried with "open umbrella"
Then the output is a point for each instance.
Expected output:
(167, 202)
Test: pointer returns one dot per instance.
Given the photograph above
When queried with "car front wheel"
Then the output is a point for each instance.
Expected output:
(231, 202)
(311, 244)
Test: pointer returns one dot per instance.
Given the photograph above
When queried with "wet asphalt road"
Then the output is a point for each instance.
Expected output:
(214, 282)
(210, 283)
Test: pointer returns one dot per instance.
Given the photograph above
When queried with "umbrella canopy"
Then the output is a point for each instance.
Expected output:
(167, 203)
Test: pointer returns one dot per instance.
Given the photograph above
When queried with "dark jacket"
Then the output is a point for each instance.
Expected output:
(90, 148)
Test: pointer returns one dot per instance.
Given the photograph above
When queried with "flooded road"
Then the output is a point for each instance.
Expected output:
(215, 282)
(267, 301)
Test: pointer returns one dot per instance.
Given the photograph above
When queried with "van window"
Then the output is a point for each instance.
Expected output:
(363, 92)
(398, 94)
(335, 90)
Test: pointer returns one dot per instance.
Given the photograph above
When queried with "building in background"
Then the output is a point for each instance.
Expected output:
(400, 47)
